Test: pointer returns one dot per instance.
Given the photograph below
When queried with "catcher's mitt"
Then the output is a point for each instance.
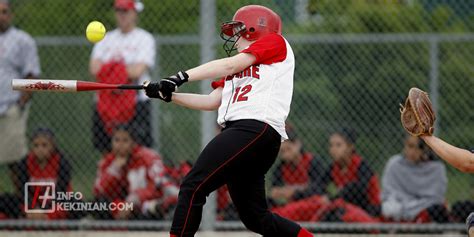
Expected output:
(417, 115)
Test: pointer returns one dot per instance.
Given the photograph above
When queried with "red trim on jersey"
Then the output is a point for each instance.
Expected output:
(268, 49)
(218, 83)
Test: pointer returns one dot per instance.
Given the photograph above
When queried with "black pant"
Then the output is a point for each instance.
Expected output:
(240, 157)
(141, 124)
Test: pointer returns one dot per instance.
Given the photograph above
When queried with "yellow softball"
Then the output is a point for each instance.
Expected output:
(95, 31)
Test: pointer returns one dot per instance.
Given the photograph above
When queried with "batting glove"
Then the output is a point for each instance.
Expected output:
(470, 221)
(152, 90)
(171, 84)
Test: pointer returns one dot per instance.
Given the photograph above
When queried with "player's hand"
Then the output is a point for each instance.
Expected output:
(170, 84)
(282, 193)
(152, 90)
(176, 80)
(120, 161)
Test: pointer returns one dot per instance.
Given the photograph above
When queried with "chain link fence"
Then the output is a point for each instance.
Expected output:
(356, 61)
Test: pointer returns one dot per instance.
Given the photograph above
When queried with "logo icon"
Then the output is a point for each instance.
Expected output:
(40, 197)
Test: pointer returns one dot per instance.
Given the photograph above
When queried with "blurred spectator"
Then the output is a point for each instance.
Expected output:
(460, 210)
(44, 163)
(18, 59)
(125, 56)
(414, 185)
(357, 194)
(177, 171)
(134, 174)
(292, 194)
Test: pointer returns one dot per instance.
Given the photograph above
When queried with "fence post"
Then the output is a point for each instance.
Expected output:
(155, 107)
(208, 120)
(434, 78)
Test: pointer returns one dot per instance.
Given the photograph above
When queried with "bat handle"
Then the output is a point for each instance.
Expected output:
(131, 87)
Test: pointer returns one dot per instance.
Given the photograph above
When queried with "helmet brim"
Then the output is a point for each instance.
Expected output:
(231, 28)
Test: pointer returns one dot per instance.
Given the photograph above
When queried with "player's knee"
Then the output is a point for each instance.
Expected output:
(191, 189)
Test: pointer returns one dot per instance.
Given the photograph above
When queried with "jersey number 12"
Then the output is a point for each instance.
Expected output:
(241, 92)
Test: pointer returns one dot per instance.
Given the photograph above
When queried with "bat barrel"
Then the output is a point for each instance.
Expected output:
(44, 85)
(66, 85)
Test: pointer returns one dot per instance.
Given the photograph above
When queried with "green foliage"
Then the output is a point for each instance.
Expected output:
(342, 16)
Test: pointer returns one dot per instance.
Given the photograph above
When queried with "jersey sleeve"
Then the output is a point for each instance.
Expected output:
(268, 49)
(218, 83)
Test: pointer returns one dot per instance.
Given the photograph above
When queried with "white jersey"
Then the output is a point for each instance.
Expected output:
(264, 90)
(18, 59)
(137, 46)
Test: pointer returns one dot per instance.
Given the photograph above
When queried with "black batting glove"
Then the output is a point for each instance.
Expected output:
(470, 221)
(170, 84)
(152, 90)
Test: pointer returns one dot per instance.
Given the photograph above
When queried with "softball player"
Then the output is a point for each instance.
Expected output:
(253, 101)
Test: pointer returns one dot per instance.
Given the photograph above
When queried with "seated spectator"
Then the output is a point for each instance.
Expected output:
(461, 210)
(357, 196)
(414, 185)
(291, 193)
(178, 170)
(135, 174)
(43, 163)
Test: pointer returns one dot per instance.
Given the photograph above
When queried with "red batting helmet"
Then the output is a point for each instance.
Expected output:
(251, 22)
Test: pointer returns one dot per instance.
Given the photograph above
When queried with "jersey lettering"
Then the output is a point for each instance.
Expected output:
(262, 91)
(252, 71)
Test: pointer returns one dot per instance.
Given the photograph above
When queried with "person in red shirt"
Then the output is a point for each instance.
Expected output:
(43, 163)
(357, 198)
(291, 193)
(134, 174)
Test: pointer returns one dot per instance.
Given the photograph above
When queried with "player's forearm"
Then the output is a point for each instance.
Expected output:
(213, 69)
(221, 67)
(199, 102)
(457, 157)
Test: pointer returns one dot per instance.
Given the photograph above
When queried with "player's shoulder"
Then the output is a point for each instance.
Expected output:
(273, 38)
(142, 33)
(394, 160)
(21, 35)
(112, 34)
